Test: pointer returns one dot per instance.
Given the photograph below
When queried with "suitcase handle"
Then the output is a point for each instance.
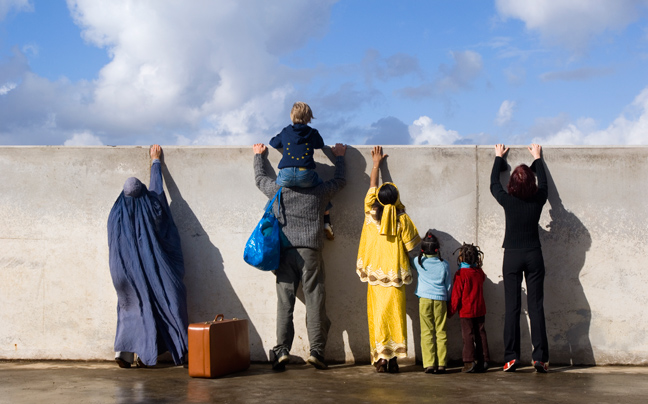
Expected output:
(219, 317)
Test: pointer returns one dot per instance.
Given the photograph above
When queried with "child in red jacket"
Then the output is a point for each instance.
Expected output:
(468, 300)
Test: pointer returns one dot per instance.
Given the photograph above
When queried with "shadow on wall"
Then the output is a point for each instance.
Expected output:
(568, 315)
(209, 292)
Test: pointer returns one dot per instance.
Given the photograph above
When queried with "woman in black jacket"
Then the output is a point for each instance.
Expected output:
(522, 254)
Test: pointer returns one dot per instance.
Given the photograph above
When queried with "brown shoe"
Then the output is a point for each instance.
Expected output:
(381, 365)
(469, 367)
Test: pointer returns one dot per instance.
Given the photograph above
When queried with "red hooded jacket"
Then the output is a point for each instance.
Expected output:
(468, 293)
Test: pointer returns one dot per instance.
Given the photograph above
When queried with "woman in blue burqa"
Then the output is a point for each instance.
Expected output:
(147, 268)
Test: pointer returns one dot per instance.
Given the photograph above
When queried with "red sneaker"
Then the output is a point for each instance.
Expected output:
(541, 367)
(510, 366)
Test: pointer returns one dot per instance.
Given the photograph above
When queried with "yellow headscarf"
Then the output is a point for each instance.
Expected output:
(389, 219)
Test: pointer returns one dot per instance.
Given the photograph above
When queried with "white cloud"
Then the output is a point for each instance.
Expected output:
(176, 68)
(424, 131)
(5, 88)
(572, 23)
(8, 5)
(623, 130)
(505, 113)
(83, 139)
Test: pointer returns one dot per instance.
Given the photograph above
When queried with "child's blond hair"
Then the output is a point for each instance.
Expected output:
(301, 113)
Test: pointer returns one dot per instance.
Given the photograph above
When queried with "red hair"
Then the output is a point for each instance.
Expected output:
(522, 183)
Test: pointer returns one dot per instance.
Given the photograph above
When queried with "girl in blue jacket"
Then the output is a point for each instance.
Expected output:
(433, 290)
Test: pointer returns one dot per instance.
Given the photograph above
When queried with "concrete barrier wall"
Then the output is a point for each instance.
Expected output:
(57, 300)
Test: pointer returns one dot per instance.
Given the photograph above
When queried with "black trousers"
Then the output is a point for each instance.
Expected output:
(527, 262)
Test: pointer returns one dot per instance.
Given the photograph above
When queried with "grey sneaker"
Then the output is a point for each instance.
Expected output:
(317, 360)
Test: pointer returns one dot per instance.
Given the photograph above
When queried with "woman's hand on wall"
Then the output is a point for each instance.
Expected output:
(501, 150)
(535, 150)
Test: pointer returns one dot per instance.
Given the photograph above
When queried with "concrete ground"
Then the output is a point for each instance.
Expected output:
(104, 382)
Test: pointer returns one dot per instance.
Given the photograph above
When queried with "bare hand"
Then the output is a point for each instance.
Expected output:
(155, 151)
(535, 150)
(339, 149)
(259, 148)
(377, 155)
(501, 150)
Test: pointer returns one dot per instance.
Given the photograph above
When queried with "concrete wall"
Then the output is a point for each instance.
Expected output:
(57, 300)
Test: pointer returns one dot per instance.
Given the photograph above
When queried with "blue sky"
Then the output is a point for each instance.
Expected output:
(88, 72)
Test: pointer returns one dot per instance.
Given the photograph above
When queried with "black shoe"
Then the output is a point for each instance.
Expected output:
(140, 364)
(316, 360)
(392, 366)
(279, 361)
(122, 363)
(430, 370)
(541, 367)
(441, 370)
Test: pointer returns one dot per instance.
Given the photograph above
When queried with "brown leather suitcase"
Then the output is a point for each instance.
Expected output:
(218, 347)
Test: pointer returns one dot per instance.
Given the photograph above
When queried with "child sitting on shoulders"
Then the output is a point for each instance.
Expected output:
(468, 300)
(297, 166)
(433, 290)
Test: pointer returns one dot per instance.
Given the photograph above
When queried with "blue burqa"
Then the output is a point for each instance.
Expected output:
(147, 268)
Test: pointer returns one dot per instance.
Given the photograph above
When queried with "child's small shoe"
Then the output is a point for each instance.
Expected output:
(328, 230)
(469, 367)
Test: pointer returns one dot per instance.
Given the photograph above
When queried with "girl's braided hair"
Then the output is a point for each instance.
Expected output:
(471, 255)
(429, 246)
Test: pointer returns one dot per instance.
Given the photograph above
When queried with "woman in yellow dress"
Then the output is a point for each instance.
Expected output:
(387, 235)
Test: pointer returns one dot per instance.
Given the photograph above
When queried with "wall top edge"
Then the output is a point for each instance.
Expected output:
(327, 146)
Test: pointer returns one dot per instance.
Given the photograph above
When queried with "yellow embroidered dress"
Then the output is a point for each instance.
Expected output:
(383, 263)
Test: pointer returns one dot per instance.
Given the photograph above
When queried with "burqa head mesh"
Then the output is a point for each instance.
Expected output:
(133, 187)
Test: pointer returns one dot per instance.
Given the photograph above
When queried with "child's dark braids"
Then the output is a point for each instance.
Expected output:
(429, 246)
(471, 255)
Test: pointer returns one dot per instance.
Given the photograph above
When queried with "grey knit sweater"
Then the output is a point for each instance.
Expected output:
(302, 209)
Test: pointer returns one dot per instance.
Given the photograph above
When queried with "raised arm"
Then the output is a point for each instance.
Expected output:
(499, 165)
(538, 168)
(156, 184)
(263, 182)
(377, 157)
(339, 177)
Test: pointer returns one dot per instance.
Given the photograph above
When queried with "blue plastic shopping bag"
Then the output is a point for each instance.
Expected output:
(263, 248)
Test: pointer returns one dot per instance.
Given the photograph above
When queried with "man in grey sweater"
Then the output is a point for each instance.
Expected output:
(301, 219)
